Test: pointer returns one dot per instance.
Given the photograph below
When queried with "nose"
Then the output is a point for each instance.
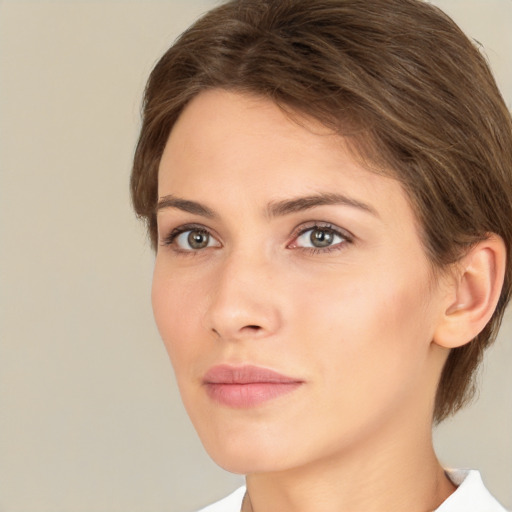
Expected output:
(244, 302)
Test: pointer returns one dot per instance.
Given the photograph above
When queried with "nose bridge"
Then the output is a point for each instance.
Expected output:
(242, 303)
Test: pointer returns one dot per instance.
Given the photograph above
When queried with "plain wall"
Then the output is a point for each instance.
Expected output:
(90, 416)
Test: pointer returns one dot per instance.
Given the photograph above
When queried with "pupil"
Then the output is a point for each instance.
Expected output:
(197, 239)
(321, 237)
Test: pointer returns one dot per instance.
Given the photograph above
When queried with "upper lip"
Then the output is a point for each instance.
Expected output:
(247, 374)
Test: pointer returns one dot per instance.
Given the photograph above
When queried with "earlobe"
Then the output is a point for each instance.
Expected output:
(474, 293)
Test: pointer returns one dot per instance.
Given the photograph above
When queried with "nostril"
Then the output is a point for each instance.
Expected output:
(252, 328)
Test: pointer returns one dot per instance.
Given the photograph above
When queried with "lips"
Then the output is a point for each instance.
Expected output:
(246, 386)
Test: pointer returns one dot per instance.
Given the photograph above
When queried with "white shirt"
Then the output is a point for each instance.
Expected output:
(470, 496)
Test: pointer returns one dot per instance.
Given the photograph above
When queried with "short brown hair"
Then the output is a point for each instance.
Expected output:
(400, 78)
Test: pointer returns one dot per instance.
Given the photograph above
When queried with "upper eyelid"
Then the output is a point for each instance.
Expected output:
(326, 228)
(304, 227)
(170, 236)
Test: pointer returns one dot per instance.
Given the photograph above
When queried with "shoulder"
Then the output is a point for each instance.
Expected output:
(231, 503)
(471, 494)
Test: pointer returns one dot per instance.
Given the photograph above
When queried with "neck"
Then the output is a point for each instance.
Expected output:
(391, 472)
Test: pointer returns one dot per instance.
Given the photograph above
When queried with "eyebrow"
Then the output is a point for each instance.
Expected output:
(185, 205)
(287, 206)
(274, 209)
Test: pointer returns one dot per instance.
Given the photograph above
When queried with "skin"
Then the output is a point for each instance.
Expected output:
(354, 321)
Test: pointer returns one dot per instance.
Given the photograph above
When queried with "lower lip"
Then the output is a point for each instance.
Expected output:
(243, 396)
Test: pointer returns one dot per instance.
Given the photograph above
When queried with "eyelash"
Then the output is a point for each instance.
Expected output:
(169, 240)
(347, 238)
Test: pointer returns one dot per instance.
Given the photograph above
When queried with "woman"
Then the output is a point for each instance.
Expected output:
(327, 185)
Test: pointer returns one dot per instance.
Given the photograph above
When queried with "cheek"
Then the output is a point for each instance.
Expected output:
(176, 305)
(363, 327)
(367, 348)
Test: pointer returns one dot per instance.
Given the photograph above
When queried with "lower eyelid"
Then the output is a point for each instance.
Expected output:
(319, 250)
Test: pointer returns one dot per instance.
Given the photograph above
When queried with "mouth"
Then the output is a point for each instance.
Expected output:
(248, 386)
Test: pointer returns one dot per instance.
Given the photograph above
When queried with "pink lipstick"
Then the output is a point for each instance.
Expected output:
(246, 386)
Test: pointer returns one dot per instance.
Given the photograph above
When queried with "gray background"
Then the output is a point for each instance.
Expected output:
(90, 415)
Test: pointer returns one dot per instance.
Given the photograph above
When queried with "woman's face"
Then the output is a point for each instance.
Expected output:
(291, 289)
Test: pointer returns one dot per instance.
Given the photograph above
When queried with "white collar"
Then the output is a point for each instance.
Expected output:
(471, 494)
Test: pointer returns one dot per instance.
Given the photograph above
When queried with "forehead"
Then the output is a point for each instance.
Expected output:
(245, 148)
(217, 123)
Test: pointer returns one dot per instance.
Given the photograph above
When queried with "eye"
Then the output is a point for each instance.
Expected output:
(190, 239)
(320, 237)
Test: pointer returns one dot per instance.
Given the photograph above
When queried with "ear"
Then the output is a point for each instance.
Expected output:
(474, 290)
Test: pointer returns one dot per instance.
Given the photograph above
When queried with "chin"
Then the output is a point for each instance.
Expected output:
(258, 440)
(248, 463)
(245, 454)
